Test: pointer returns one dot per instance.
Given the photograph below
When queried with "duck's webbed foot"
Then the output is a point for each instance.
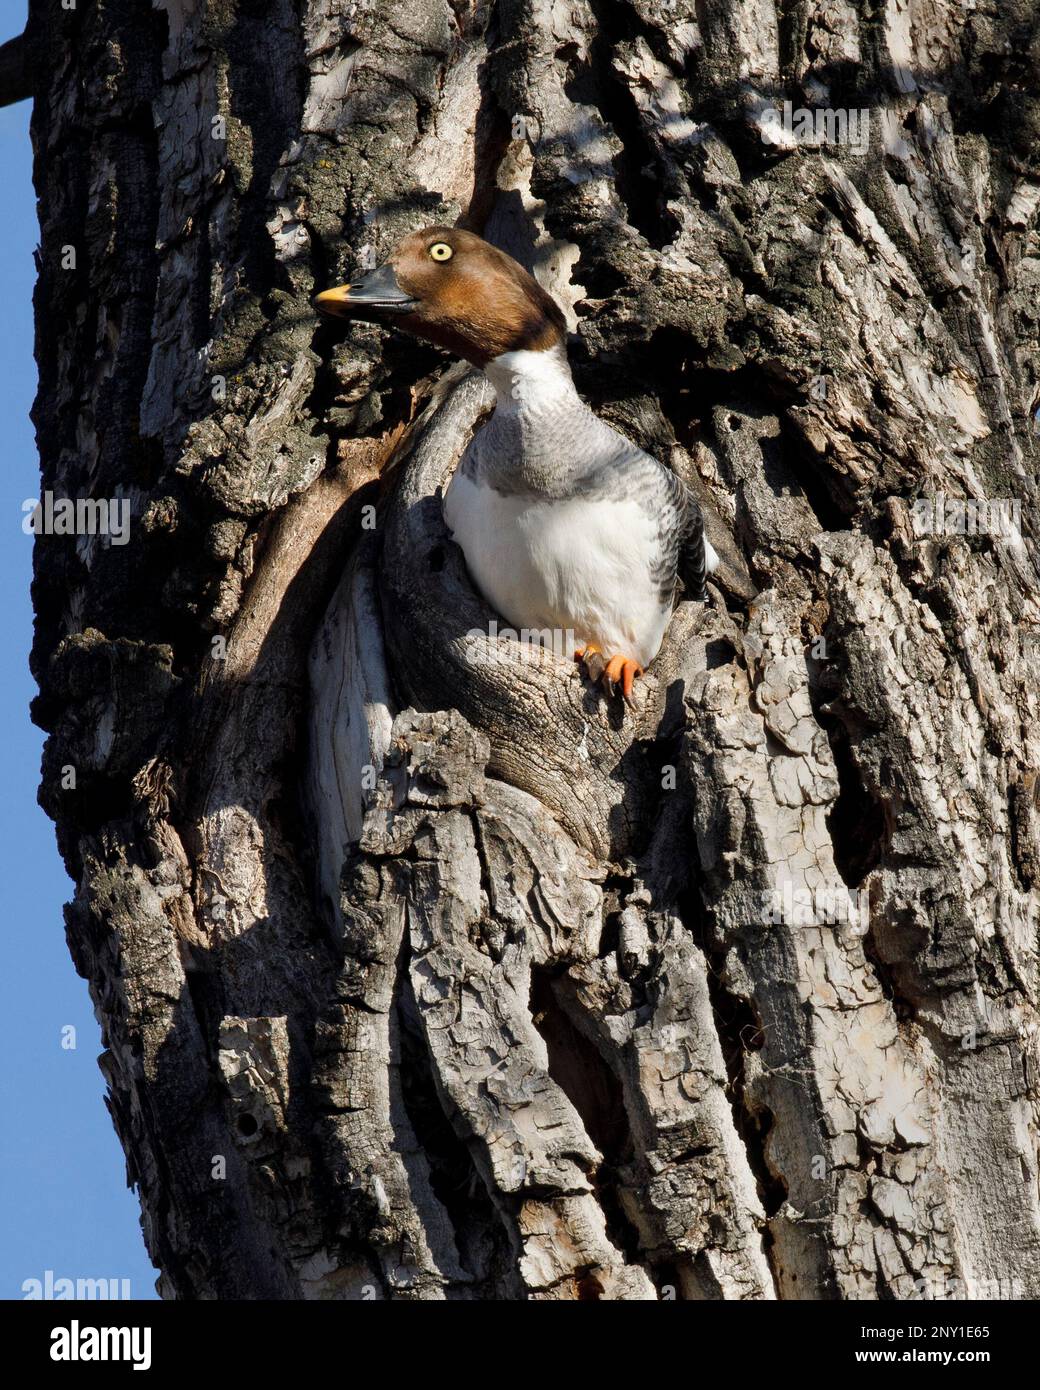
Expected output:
(613, 671)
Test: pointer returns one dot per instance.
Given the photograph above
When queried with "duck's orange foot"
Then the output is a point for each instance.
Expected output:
(622, 670)
(591, 657)
(618, 670)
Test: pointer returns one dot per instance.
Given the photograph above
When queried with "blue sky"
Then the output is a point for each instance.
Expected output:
(64, 1204)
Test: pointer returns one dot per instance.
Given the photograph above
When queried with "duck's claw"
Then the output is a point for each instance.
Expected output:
(593, 660)
(619, 670)
(623, 670)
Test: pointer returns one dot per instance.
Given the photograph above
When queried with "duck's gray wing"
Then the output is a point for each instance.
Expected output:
(693, 562)
(682, 554)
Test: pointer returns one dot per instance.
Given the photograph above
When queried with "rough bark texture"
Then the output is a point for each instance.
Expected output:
(422, 972)
(15, 77)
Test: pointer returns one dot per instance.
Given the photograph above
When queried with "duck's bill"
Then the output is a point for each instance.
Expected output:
(372, 295)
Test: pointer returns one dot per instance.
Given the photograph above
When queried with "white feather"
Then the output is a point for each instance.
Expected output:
(571, 566)
(579, 568)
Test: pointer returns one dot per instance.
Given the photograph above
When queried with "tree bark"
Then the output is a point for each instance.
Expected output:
(422, 972)
(15, 76)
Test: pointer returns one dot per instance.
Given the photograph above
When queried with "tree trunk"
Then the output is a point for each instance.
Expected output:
(424, 973)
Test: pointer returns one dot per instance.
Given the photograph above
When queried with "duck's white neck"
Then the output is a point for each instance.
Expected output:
(531, 381)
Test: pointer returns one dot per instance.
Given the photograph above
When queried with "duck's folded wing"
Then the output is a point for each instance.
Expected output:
(683, 554)
(693, 557)
(679, 551)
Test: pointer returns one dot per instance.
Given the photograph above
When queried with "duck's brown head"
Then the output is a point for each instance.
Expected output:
(456, 290)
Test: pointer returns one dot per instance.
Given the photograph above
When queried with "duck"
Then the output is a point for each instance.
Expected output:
(567, 527)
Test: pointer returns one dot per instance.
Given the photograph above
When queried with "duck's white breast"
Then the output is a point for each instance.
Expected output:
(575, 564)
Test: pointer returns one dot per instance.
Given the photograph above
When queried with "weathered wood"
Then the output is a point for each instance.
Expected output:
(424, 972)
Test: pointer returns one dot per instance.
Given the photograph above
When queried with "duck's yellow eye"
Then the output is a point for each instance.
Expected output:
(441, 251)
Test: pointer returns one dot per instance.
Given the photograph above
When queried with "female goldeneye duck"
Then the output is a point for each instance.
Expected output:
(566, 526)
